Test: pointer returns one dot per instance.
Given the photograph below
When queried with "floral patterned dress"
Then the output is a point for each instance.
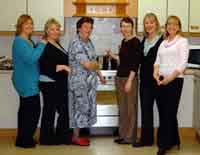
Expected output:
(82, 85)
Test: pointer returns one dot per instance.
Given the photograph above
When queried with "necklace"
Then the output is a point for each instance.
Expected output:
(168, 43)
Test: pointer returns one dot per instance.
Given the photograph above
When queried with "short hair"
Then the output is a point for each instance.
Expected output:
(20, 21)
(176, 18)
(154, 17)
(83, 20)
(127, 20)
(48, 23)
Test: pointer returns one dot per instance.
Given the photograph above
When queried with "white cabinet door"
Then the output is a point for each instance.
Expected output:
(194, 18)
(179, 8)
(10, 10)
(41, 10)
(159, 7)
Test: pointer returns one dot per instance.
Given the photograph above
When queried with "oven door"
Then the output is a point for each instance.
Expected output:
(107, 109)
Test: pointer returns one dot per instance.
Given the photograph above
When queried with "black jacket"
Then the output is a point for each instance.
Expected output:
(51, 57)
(146, 69)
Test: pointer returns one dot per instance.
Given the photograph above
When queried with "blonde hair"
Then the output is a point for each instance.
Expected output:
(20, 21)
(154, 18)
(176, 18)
(47, 25)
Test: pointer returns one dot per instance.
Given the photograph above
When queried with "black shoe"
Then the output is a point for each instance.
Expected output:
(65, 142)
(161, 151)
(118, 140)
(25, 145)
(141, 144)
(124, 142)
(49, 142)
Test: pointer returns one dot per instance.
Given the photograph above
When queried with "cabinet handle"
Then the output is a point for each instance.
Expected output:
(194, 27)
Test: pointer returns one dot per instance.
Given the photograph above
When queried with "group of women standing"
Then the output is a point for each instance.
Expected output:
(68, 81)
(162, 59)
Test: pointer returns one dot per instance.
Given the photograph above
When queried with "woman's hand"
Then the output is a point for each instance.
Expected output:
(90, 65)
(63, 68)
(102, 80)
(44, 41)
(166, 80)
(112, 56)
(156, 77)
(128, 85)
(170, 78)
(156, 74)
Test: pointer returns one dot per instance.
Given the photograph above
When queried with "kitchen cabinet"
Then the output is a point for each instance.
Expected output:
(10, 10)
(163, 9)
(45, 9)
(182, 12)
(9, 101)
(39, 10)
(194, 17)
(196, 114)
(159, 7)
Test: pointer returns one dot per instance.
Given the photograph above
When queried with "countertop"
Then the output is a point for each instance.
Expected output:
(195, 72)
(6, 71)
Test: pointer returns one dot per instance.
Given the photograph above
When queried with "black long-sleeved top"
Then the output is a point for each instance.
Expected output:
(51, 57)
(146, 69)
(130, 57)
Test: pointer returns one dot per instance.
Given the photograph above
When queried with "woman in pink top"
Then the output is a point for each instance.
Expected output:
(169, 66)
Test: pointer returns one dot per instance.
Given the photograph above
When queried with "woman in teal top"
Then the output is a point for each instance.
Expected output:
(25, 80)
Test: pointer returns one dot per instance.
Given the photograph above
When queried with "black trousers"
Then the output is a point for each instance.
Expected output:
(55, 99)
(168, 102)
(28, 117)
(148, 96)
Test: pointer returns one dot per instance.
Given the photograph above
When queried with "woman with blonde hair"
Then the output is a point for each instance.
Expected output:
(148, 95)
(169, 66)
(54, 72)
(25, 80)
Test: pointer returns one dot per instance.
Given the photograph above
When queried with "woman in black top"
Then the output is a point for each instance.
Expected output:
(148, 86)
(126, 82)
(53, 84)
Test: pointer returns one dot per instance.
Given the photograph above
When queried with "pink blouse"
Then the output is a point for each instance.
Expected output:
(172, 55)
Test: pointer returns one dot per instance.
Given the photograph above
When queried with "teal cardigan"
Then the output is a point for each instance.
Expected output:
(26, 70)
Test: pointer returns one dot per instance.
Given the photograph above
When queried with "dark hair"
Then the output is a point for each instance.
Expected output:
(127, 20)
(83, 20)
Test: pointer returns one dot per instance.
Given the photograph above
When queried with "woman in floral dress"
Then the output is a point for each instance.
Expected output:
(82, 81)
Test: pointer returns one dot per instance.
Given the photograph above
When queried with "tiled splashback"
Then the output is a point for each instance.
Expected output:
(106, 34)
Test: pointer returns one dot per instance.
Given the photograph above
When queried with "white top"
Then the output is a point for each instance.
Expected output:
(172, 55)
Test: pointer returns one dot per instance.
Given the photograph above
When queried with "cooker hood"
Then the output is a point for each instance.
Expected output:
(101, 8)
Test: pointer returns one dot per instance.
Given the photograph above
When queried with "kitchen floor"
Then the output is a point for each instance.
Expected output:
(99, 146)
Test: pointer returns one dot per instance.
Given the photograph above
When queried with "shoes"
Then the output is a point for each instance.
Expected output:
(161, 151)
(124, 142)
(118, 140)
(50, 142)
(25, 145)
(141, 144)
(81, 142)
